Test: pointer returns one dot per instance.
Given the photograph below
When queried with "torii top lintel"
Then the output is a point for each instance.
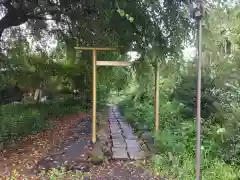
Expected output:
(98, 48)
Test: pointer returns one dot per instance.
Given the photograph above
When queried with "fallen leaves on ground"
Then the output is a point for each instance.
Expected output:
(34, 147)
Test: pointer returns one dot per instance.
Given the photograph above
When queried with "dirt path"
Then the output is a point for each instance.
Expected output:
(29, 153)
(123, 170)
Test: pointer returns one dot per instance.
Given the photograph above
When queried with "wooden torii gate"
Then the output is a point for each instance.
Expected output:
(96, 63)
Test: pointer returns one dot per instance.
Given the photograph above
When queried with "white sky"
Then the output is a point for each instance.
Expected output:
(189, 53)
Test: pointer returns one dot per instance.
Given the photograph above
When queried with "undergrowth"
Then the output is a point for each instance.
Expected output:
(176, 140)
(53, 174)
(20, 120)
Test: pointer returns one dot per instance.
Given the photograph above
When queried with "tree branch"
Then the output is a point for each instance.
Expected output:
(17, 16)
(44, 18)
(13, 17)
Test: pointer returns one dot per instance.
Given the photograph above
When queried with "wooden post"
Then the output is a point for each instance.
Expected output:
(156, 96)
(94, 98)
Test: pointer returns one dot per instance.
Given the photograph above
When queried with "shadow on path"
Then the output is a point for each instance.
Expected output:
(71, 153)
(66, 142)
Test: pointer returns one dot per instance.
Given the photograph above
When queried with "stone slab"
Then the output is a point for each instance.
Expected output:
(130, 137)
(114, 127)
(115, 131)
(129, 134)
(111, 120)
(120, 119)
(120, 154)
(125, 125)
(114, 123)
(127, 131)
(119, 146)
(117, 128)
(126, 128)
(136, 154)
(117, 136)
(118, 143)
(132, 143)
(117, 115)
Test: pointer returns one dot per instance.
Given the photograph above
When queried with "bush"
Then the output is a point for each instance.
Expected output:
(185, 93)
(176, 141)
(19, 120)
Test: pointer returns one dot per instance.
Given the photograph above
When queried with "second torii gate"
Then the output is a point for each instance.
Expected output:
(96, 63)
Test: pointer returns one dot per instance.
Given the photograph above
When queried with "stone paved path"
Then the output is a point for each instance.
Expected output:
(125, 144)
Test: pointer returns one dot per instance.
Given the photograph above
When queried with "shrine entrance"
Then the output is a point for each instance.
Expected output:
(96, 63)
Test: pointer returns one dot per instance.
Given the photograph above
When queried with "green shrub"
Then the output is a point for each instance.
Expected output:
(185, 93)
(177, 134)
(19, 120)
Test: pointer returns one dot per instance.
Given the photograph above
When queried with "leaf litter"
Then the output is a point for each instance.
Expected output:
(33, 148)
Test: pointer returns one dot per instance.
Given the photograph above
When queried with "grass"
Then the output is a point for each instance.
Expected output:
(19, 120)
(177, 136)
(215, 169)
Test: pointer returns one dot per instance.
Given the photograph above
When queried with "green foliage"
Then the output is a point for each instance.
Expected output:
(177, 136)
(176, 141)
(122, 13)
(185, 93)
(53, 174)
(19, 120)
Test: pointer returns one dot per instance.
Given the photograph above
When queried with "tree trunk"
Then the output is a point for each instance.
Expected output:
(13, 17)
(38, 95)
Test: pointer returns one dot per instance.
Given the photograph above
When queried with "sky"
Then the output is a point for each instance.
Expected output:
(188, 54)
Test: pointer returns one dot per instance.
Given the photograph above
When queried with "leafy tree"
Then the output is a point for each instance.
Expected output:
(185, 93)
(99, 23)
